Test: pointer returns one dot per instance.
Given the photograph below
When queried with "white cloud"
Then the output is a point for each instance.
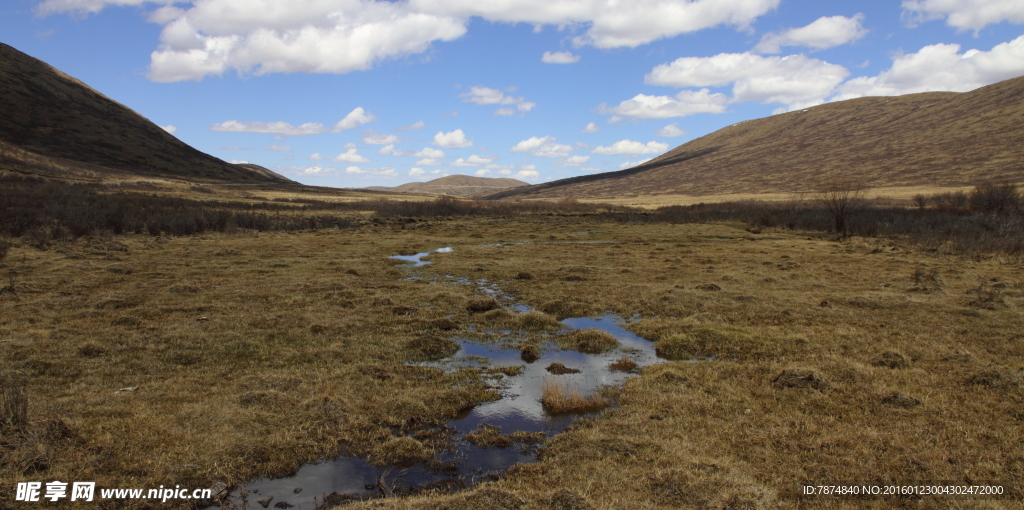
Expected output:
(670, 130)
(940, 67)
(429, 152)
(527, 172)
(374, 138)
(505, 112)
(414, 172)
(482, 172)
(452, 140)
(169, 128)
(686, 102)
(631, 147)
(559, 57)
(211, 37)
(354, 119)
(412, 127)
(429, 162)
(234, 148)
(350, 156)
(543, 147)
(825, 32)
(574, 161)
(964, 14)
(589, 169)
(314, 170)
(390, 150)
(316, 157)
(371, 172)
(278, 148)
(473, 160)
(485, 96)
(282, 128)
(238, 162)
(795, 80)
(591, 128)
(631, 164)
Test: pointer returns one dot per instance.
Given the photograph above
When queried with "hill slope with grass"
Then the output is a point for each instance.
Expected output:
(928, 139)
(458, 185)
(56, 126)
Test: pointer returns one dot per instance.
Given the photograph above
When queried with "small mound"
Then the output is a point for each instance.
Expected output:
(432, 348)
(890, 359)
(529, 353)
(898, 399)
(624, 364)
(589, 341)
(799, 378)
(479, 305)
(487, 436)
(560, 369)
(400, 451)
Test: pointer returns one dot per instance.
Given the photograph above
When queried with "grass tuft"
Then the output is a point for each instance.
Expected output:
(589, 341)
(564, 399)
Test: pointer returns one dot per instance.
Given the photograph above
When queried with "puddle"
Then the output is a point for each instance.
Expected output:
(417, 259)
(519, 410)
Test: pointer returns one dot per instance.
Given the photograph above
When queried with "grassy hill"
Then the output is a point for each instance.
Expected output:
(458, 185)
(56, 126)
(940, 139)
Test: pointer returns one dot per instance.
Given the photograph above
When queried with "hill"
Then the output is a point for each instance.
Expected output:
(458, 185)
(57, 126)
(930, 139)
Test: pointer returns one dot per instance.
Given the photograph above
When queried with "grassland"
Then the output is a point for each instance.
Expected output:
(223, 357)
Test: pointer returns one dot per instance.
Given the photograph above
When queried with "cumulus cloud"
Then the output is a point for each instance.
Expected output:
(357, 117)
(315, 170)
(670, 130)
(631, 147)
(278, 148)
(542, 146)
(238, 162)
(486, 96)
(473, 160)
(452, 139)
(559, 57)
(574, 161)
(390, 150)
(169, 128)
(415, 172)
(631, 164)
(281, 128)
(350, 156)
(316, 157)
(686, 102)
(825, 32)
(374, 138)
(964, 14)
(527, 172)
(795, 80)
(940, 67)
(590, 128)
(504, 112)
(211, 37)
(482, 172)
(412, 127)
(429, 152)
(386, 171)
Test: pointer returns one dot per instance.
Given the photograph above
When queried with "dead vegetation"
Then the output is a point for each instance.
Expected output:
(565, 398)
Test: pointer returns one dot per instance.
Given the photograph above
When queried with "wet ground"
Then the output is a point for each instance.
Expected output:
(469, 461)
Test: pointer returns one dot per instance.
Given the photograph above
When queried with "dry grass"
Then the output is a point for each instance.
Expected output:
(565, 398)
(908, 386)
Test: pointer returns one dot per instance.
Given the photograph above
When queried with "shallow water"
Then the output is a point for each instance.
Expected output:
(417, 259)
(519, 409)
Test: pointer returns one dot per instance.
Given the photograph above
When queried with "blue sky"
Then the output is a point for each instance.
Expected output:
(354, 93)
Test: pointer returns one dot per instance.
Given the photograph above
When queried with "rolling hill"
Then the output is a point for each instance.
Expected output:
(457, 185)
(54, 125)
(937, 139)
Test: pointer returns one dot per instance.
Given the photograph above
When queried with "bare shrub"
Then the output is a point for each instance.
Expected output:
(13, 403)
(839, 196)
(995, 198)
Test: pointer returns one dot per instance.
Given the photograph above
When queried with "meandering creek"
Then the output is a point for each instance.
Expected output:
(466, 463)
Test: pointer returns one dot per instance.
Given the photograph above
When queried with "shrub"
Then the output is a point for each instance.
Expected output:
(995, 198)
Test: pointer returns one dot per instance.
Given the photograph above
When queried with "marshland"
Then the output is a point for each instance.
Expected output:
(157, 345)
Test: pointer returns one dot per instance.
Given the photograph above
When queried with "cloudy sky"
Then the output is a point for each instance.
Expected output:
(354, 93)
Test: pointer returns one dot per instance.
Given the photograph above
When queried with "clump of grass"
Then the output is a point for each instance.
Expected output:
(529, 353)
(13, 404)
(444, 324)
(400, 451)
(523, 437)
(709, 341)
(509, 370)
(538, 321)
(432, 348)
(564, 399)
(479, 305)
(799, 378)
(890, 359)
(624, 364)
(488, 436)
(560, 369)
(589, 341)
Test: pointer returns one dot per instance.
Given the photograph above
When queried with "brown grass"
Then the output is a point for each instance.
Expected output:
(561, 398)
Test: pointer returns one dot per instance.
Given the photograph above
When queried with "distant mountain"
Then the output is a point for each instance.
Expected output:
(457, 185)
(52, 124)
(928, 139)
